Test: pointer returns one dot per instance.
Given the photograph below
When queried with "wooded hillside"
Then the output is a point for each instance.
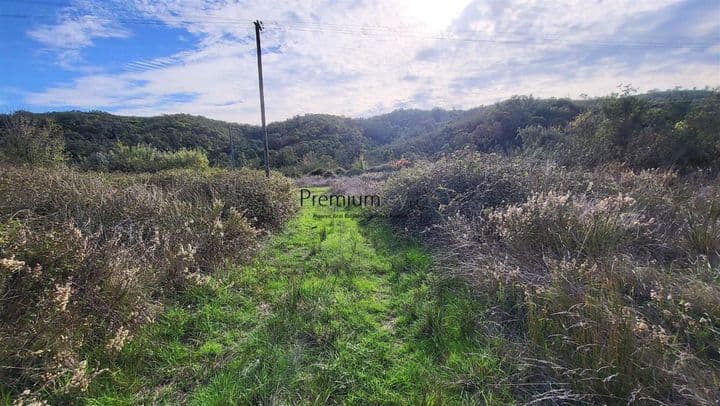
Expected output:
(659, 129)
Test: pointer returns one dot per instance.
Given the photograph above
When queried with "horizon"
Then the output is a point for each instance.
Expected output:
(353, 59)
(649, 92)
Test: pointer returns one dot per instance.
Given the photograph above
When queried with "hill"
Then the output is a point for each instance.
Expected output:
(668, 120)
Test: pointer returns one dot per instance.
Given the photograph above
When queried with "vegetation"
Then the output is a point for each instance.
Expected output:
(331, 311)
(143, 158)
(546, 251)
(605, 282)
(26, 140)
(661, 129)
(89, 136)
(87, 258)
(637, 131)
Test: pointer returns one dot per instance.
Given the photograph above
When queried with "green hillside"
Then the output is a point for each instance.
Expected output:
(678, 123)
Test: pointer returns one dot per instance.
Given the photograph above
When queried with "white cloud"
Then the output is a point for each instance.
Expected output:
(76, 32)
(356, 57)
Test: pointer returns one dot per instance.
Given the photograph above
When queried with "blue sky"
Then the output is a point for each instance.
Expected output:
(349, 57)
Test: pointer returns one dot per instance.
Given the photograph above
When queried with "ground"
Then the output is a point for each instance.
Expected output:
(335, 309)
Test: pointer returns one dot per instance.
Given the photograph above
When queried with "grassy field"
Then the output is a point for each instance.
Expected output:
(334, 309)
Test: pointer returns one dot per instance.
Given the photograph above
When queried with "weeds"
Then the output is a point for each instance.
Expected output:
(86, 258)
(365, 329)
(604, 282)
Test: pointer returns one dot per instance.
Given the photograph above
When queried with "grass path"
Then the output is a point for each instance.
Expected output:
(331, 311)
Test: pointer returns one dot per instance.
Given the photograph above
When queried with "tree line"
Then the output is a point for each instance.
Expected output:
(677, 128)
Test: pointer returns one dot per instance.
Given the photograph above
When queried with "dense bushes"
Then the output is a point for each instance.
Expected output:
(637, 131)
(27, 140)
(567, 225)
(85, 258)
(266, 202)
(462, 183)
(605, 281)
(143, 158)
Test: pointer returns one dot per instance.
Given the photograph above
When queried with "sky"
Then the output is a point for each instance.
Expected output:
(348, 57)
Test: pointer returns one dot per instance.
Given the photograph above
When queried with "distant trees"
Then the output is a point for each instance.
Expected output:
(405, 123)
(659, 129)
(92, 133)
(336, 137)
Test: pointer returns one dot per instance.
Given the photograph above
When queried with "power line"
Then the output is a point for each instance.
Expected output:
(538, 40)
(298, 24)
(377, 32)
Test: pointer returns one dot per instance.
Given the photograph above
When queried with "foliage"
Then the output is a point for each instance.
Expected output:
(89, 133)
(316, 142)
(460, 183)
(641, 132)
(605, 282)
(660, 129)
(402, 124)
(86, 258)
(354, 322)
(27, 140)
(143, 158)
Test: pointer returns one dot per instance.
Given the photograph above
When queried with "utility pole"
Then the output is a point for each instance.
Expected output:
(258, 28)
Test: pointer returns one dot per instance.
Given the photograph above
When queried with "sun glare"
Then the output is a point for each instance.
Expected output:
(435, 15)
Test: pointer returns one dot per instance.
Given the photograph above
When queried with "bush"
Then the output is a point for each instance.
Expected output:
(143, 158)
(462, 183)
(30, 141)
(569, 226)
(266, 202)
(637, 131)
(608, 330)
(604, 281)
(85, 257)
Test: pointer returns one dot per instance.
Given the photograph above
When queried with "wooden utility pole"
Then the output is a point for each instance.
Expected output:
(258, 28)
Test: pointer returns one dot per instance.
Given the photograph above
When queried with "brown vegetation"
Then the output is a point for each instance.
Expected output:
(85, 258)
(605, 280)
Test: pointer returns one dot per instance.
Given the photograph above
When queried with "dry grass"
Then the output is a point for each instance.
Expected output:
(361, 185)
(85, 258)
(604, 282)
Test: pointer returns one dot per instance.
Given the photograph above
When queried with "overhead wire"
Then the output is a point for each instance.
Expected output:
(367, 31)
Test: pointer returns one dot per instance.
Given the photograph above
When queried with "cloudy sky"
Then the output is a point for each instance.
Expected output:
(349, 57)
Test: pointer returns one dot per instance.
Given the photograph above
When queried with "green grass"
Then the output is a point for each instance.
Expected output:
(331, 311)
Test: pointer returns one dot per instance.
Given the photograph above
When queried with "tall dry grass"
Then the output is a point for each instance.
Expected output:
(85, 258)
(605, 283)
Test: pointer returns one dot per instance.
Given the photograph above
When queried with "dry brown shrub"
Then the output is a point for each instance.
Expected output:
(86, 258)
(604, 283)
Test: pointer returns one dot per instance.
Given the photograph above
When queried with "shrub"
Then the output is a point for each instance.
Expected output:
(464, 183)
(563, 225)
(612, 347)
(539, 137)
(143, 158)
(702, 228)
(85, 257)
(637, 131)
(30, 141)
(604, 281)
(266, 202)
